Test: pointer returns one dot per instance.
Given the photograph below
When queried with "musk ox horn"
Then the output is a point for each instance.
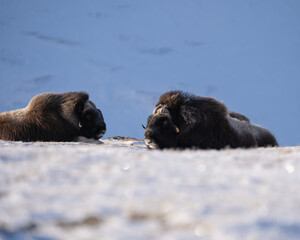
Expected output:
(161, 109)
(156, 110)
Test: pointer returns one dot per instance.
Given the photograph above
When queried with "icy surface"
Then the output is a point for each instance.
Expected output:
(119, 190)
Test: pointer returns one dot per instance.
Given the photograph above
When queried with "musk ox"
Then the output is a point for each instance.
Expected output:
(182, 120)
(59, 117)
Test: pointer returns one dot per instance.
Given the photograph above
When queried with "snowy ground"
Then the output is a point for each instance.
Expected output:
(121, 190)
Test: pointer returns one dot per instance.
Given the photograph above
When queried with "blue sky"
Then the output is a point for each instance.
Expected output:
(127, 53)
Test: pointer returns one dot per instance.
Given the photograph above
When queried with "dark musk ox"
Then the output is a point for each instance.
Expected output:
(182, 120)
(58, 117)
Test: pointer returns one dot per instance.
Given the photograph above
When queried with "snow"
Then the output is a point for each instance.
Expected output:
(126, 53)
(121, 190)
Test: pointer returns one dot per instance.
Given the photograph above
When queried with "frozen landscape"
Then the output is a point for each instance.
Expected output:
(125, 54)
(119, 190)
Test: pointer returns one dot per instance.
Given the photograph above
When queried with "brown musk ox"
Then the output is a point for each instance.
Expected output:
(57, 117)
(182, 120)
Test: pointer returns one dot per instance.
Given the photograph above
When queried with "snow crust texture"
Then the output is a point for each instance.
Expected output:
(120, 190)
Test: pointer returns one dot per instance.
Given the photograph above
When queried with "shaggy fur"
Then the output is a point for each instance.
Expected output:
(53, 117)
(193, 121)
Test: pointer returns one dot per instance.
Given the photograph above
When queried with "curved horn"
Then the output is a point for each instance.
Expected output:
(157, 110)
(176, 128)
(161, 109)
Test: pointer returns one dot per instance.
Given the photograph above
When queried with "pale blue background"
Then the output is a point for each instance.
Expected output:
(127, 53)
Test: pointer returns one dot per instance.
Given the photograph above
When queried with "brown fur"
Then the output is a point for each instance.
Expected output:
(48, 117)
(201, 122)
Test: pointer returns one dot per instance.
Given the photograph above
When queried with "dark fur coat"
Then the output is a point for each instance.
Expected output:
(203, 123)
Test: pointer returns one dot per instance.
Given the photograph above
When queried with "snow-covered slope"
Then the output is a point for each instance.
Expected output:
(126, 53)
(120, 190)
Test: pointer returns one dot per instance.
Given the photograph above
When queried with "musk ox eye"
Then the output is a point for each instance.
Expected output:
(164, 122)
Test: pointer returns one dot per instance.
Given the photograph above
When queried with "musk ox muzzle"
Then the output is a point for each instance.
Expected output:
(151, 144)
(92, 123)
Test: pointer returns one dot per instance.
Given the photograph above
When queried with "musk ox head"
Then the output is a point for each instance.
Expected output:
(91, 121)
(160, 131)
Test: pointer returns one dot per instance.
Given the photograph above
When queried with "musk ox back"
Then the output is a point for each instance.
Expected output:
(54, 117)
(182, 120)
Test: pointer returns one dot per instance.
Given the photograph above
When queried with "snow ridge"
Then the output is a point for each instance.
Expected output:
(121, 190)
